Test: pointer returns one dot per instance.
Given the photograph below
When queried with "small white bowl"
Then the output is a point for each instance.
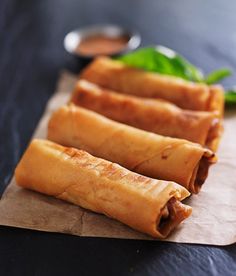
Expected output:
(73, 39)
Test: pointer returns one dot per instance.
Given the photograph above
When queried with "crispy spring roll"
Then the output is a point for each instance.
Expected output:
(144, 152)
(148, 205)
(153, 115)
(188, 95)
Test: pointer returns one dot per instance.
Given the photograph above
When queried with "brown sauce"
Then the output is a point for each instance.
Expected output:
(101, 45)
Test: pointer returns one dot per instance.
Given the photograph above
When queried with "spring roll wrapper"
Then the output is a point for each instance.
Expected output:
(144, 152)
(152, 115)
(188, 95)
(148, 205)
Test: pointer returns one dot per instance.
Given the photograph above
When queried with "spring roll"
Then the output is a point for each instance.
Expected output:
(148, 205)
(153, 115)
(117, 76)
(144, 152)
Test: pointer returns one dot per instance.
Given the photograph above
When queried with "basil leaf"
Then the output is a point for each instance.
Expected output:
(162, 60)
(230, 97)
(217, 76)
(165, 61)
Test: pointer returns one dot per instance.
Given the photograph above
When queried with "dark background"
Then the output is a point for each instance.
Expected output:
(31, 57)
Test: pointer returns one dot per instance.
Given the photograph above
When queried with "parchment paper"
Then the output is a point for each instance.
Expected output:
(214, 210)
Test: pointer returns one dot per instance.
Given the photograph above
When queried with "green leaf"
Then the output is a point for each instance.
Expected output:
(165, 61)
(230, 97)
(217, 76)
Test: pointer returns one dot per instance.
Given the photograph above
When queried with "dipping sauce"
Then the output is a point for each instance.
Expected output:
(101, 44)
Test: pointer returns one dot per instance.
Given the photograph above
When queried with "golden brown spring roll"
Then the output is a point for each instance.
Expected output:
(153, 115)
(148, 205)
(117, 76)
(144, 152)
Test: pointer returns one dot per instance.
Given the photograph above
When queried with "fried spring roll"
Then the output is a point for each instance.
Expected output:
(153, 115)
(148, 205)
(144, 152)
(188, 95)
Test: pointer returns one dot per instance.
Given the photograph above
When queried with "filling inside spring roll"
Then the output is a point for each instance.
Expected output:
(200, 172)
(115, 75)
(144, 152)
(172, 214)
(148, 205)
(152, 115)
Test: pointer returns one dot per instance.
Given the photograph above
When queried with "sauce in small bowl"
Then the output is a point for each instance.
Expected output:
(101, 44)
(100, 40)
